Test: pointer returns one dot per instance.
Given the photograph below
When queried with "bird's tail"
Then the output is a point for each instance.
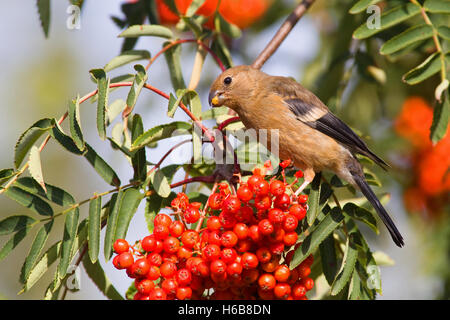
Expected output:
(370, 195)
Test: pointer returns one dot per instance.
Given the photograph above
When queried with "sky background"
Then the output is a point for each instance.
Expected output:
(39, 75)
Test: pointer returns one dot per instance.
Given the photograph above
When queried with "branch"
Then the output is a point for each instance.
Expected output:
(282, 33)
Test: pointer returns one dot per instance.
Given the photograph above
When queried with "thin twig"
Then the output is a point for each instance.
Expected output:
(282, 33)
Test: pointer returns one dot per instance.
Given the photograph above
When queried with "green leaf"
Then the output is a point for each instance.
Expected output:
(193, 7)
(131, 291)
(444, 32)
(44, 15)
(388, 19)
(361, 214)
(382, 259)
(220, 48)
(138, 160)
(32, 202)
(160, 132)
(147, 30)
(426, 69)
(102, 101)
(331, 221)
(362, 5)
(347, 267)
(128, 207)
(70, 231)
(192, 24)
(96, 273)
(355, 286)
(172, 57)
(111, 225)
(114, 109)
(103, 169)
(407, 38)
(153, 205)
(441, 117)
(15, 223)
(5, 175)
(28, 138)
(53, 194)
(125, 58)
(437, 6)
(94, 227)
(35, 250)
(64, 140)
(35, 167)
(196, 109)
(174, 102)
(231, 30)
(160, 183)
(329, 259)
(75, 124)
(213, 113)
(138, 83)
(313, 200)
(14, 241)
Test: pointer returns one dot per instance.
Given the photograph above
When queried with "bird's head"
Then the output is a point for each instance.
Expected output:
(233, 86)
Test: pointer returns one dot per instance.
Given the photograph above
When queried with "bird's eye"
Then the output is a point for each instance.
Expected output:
(227, 80)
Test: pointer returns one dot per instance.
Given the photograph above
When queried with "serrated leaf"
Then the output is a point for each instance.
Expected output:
(444, 32)
(75, 123)
(28, 138)
(138, 160)
(15, 223)
(111, 225)
(102, 100)
(5, 175)
(35, 167)
(160, 183)
(220, 48)
(426, 69)
(69, 234)
(102, 167)
(347, 267)
(213, 113)
(441, 117)
(313, 200)
(114, 109)
(329, 259)
(35, 250)
(96, 273)
(193, 7)
(44, 15)
(361, 214)
(355, 286)
(172, 57)
(160, 132)
(53, 194)
(331, 221)
(136, 31)
(128, 206)
(407, 38)
(153, 205)
(138, 83)
(362, 5)
(388, 19)
(175, 101)
(437, 6)
(196, 109)
(14, 241)
(30, 201)
(94, 228)
(64, 140)
(125, 58)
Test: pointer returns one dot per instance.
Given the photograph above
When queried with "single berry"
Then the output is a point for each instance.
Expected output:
(120, 246)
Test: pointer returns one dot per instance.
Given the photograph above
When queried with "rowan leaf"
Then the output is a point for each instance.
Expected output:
(15, 223)
(407, 38)
(126, 57)
(30, 201)
(69, 234)
(160, 132)
(94, 228)
(136, 31)
(35, 167)
(75, 123)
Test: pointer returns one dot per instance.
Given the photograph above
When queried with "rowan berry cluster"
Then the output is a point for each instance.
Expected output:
(238, 247)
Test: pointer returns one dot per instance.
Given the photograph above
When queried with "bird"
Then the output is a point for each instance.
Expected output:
(310, 135)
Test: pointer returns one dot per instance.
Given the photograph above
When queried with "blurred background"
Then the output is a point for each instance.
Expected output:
(40, 75)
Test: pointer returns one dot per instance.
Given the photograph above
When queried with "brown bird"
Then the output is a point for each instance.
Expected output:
(309, 134)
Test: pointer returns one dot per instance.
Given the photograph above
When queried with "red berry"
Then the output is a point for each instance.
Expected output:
(211, 252)
(144, 286)
(245, 214)
(215, 201)
(183, 277)
(263, 203)
(249, 260)
(184, 253)
(282, 201)
(213, 223)
(241, 230)
(298, 291)
(282, 290)
(189, 238)
(168, 269)
(282, 273)
(234, 269)
(140, 267)
(162, 219)
(192, 214)
(277, 188)
(263, 254)
(276, 216)
(297, 211)
(158, 294)
(277, 248)
(169, 286)
(231, 204)
(214, 238)
(153, 273)
(227, 219)
(303, 271)
(261, 188)
(308, 283)
(120, 246)
(161, 231)
(290, 238)
(154, 259)
(229, 239)
(218, 267)
(244, 245)
(265, 227)
(254, 233)
(176, 229)
(148, 243)
(251, 182)
(228, 255)
(299, 174)
(184, 293)
(171, 244)
(125, 260)
(267, 282)
(284, 164)
(290, 223)
(244, 193)
(303, 198)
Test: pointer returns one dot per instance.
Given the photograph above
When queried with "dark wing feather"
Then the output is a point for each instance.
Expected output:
(311, 111)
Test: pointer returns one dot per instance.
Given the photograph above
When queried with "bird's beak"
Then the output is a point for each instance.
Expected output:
(213, 99)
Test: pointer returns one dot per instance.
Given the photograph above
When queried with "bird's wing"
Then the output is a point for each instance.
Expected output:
(312, 112)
